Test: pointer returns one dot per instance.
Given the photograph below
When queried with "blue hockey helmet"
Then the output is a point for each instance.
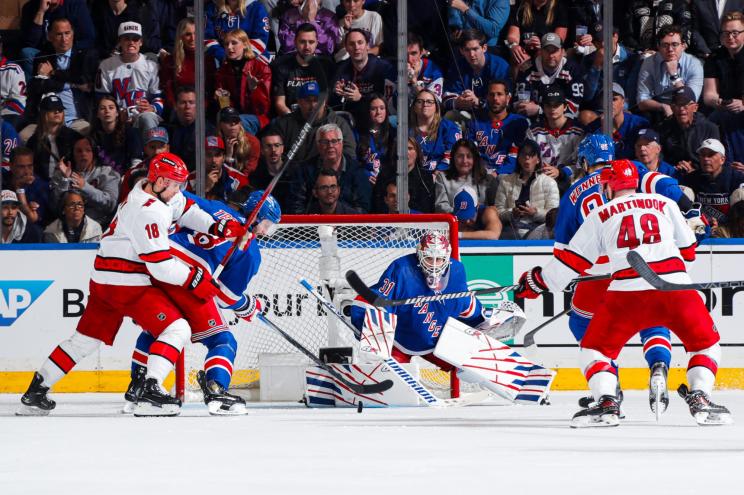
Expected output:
(270, 209)
(595, 149)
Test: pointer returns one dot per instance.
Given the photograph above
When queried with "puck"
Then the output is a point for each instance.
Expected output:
(360, 406)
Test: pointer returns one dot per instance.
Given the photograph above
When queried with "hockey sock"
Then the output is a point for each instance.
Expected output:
(599, 372)
(65, 356)
(657, 346)
(578, 324)
(165, 350)
(702, 368)
(218, 365)
(141, 351)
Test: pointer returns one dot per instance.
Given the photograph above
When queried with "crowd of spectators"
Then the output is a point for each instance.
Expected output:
(500, 93)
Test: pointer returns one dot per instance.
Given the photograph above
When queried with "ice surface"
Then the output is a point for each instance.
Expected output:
(86, 446)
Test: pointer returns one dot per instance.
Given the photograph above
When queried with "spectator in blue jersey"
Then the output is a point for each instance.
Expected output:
(487, 16)
(36, 18)
(360, 76)
(224, 16)
(524, 197)
(714, 182)
(467, 170)
(119, 146)
(648, 152)
(73, 225)
(475, 221)
(15, 228)
(498, 133)
(434, 135)
(528, 22)
(9, 142)
(375, 138)
(625, 125)
(32, 190)
(549, 68)
(465, 84)
(313, 13)
(423, 73)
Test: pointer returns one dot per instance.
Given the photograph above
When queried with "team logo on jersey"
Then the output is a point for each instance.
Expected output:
(16, 296)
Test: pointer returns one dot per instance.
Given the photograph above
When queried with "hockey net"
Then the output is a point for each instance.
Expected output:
(320, 249)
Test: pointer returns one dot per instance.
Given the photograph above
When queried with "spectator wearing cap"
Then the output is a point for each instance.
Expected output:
(182, 130)
(529, 21)
(73, 225)
(496, 132)
(270, 164)
(467, 170)
(525, 196)
(244, 81)
(723, 86)
(648, 152)
(669, 68)
(295, 21)
(352, 15)
(326, 196)
(549, 68)
(625, 125)
(12, 90)
(290, 125)
(32, 190)
(221, 180)
(51, 139)
(683, 132)
(475, 221)
(222, 16)
(643, 22)
(487, 16)
(356, 189)
(707, 19)
(715, 181)
(37, 16)
(156, 142)
(435, 135)
(625, 67)
(557, 135)
(360, 76)
(133, 79)
(119, 146)
(303, 65)
(15, 228)
(99, 184)
(241, 147)
(66, 71)
(466, 84)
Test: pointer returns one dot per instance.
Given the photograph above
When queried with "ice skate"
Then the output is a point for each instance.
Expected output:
(35, 401)
(703, 409)
(604, 412)
(587, 402)
(134, 390)
(219, 402)
(658, 394)
(155, 402)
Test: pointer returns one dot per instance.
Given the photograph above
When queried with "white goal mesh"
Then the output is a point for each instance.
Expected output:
(319, 249)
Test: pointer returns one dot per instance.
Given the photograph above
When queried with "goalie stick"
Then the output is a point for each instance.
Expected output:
(638, 264)
(376, 299)
(357, 388)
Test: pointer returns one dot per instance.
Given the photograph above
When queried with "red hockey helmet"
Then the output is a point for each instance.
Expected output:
(168, 166)
(621, 174)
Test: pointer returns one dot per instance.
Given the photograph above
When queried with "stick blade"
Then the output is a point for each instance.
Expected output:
(363, 289)
(637, 262)
(371, 388)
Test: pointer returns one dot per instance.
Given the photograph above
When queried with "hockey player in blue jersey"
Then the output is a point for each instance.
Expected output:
(594, 152)
(207, 324)
(225, 15)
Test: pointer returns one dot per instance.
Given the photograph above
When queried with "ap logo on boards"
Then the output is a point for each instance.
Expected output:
(16, 296)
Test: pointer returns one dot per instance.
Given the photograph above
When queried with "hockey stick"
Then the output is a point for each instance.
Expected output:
(428, 398)
(529, 338)
(376, 299)
(357, 388)
(248, 236)
(638, 264)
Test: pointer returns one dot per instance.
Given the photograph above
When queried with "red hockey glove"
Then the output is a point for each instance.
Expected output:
(201, 284)
(227, 228)
(531, 284)
(250, 309)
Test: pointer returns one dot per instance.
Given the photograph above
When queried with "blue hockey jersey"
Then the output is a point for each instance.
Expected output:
(436, 151)
(255, 23)
(419, 325)
(498, 142)
(207, 251)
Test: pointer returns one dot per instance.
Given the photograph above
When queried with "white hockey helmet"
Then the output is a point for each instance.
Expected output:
(433, 253)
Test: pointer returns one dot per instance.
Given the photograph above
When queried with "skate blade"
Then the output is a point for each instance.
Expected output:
(215, 409)
(25, 410)
(713, 419)
(128, 408)
(601, 422)
(145, 409)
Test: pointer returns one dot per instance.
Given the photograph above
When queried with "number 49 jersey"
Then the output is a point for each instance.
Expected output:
(650, 224)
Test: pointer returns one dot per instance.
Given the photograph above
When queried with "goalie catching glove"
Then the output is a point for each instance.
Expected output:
(201, 284)
(227, 228)
(252, 307)
(531, 284)
(503, 321)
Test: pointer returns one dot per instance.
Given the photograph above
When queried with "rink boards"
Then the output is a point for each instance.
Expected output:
(43, 291)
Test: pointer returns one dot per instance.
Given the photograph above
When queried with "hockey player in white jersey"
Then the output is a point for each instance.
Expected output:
(12, 89)
(132, 79)
(653, 226)
(133, 250)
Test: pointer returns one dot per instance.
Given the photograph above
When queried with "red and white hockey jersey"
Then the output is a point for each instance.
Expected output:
(130, 81)
(650, 224)
(12, 88)
(136, 246)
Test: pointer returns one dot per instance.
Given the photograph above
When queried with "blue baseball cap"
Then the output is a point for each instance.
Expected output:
(308, 89)
(648, 134)
(156, 134)
(465, 204)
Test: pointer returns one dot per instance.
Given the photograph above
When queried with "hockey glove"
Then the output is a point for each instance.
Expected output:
(698, 222)
(531, 284)
(227, 228)
(201, 284)
(250, 309)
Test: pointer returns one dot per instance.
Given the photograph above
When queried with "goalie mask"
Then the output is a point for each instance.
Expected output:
(434, 259)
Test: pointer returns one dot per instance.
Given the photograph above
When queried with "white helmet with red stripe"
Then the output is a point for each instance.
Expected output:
(433, 253)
